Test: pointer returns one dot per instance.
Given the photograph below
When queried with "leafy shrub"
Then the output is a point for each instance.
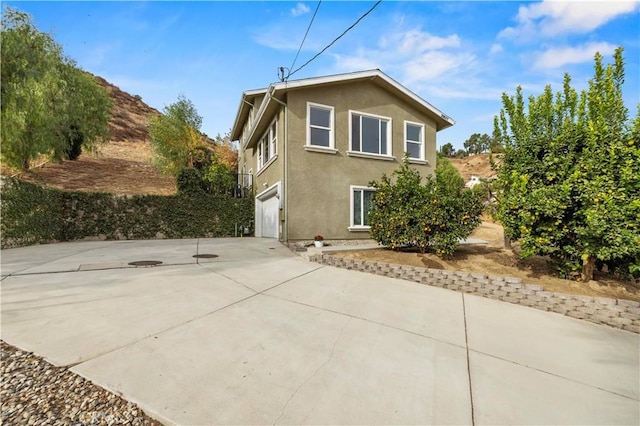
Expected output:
(32, 214)
(189, 182)
(432, 217)
(220, 178)
(569, 184)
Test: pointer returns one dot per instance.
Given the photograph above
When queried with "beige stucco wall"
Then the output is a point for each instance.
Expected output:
(319, 184)
(316, 186)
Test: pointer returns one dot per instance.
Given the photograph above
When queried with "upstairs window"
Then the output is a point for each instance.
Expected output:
(267, 146)
(320, 126)
(414, 140)
(370, 134)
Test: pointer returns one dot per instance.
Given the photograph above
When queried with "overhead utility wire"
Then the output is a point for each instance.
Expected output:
(335, 39)
(304, 38)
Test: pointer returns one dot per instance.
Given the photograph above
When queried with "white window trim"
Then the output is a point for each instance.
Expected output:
(389, 155)
(250, 177)
(323, 149)
(422, 144)
(369, 155)
(317, 148)
(352, 227)
(266, 166)
(273, 147)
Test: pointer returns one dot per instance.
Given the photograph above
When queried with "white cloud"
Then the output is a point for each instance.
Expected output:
(551, 18)
(300, 9)
(414, 56)
(461, 89)
(433, 65)
(416, 41)
(358, 62)
(560, 56)
(495, 49)
(276, 39)
(97, 55)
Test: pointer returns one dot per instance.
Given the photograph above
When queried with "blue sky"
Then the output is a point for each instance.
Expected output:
(459, 56)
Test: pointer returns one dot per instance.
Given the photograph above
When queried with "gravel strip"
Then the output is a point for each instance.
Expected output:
(35, 392)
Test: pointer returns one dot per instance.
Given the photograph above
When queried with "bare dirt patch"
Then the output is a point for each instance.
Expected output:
(475, 165)
(122, 168)
(493, 259)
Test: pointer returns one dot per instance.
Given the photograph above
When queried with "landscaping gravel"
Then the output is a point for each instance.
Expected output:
(35, 392)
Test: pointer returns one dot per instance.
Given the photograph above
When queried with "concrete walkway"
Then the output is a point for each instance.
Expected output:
(258, 335)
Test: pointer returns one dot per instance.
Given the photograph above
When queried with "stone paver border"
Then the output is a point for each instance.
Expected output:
(617, 313)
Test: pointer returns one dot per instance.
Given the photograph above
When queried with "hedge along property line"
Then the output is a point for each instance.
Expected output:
(618, 313)
(33, 214)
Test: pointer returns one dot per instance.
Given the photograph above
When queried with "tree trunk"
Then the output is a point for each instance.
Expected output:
(507, 242)
(588, 266)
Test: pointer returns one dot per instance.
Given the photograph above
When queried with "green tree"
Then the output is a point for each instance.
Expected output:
(447, 150)
(447, 176)
(84, 113)
(570, 177)
(433, 216)
(48, 104)
(478, 143)
(221, 178)
(461, 153)
(176, 138)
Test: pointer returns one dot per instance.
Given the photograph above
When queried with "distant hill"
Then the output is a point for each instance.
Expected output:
(129, 116)
(475, 165)
(124, 165)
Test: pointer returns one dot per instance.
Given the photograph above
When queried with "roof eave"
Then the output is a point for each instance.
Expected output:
(243, 112)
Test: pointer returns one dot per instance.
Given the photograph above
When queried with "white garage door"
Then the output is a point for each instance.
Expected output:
(270, 208)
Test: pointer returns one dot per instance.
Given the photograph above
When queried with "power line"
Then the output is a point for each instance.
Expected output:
(336, 39)
(305, 36)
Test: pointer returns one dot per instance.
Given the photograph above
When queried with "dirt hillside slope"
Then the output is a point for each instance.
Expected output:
(475, 165)
(123, 166)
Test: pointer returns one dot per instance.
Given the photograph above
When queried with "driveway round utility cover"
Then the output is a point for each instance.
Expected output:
(146, 263)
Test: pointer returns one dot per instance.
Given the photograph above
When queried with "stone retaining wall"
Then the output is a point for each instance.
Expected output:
(618, 313)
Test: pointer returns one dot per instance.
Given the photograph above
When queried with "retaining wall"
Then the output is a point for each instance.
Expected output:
(618, 313)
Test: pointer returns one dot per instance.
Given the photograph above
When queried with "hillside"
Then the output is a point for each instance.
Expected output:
(476, 165)
(123, 166)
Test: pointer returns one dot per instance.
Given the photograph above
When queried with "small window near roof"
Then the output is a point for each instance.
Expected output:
(267, 146)
(414, 140)
(320, 126)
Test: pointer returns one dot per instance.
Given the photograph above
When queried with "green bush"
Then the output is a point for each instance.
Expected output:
(432, 217)
(32, 214)
(569, 183)
(189, 182)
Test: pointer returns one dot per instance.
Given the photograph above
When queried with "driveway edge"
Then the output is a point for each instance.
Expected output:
(617, 313)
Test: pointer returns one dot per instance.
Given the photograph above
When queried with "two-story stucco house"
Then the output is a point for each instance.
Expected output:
(312, 146)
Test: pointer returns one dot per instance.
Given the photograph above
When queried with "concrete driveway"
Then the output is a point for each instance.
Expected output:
(258, 335)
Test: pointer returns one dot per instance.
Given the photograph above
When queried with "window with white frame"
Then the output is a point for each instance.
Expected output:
(414, 140)
(370, 134)
(320, 125)
(267, 146)
(361, 204)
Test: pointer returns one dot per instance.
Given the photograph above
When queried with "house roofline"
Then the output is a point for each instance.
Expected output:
(443, 121)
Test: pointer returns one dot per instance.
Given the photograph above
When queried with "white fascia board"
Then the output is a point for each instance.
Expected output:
(418, 99)
(362, 75)
(237, 125)
(259, 114)
(313, 81)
